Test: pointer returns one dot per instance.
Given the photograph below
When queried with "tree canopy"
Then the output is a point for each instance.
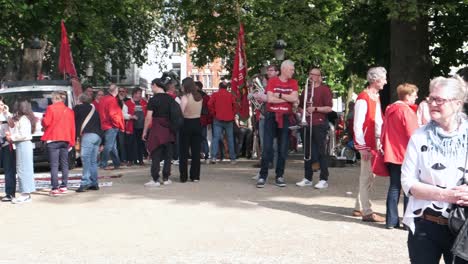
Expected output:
(99, 31)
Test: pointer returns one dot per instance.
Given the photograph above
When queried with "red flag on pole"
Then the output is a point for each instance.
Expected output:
(239, 73)
(66, 60)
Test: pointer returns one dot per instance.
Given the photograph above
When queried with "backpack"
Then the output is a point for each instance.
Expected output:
(176, 118)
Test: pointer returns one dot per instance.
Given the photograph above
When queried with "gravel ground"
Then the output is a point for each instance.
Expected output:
(221, 219)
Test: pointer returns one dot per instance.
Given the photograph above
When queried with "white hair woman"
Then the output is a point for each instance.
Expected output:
(434, 165)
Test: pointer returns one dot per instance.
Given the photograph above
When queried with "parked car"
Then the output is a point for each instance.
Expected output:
(39, 93)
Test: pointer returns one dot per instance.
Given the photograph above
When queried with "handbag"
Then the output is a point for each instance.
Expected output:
(458, 225)
(85, 122)
(379, 167)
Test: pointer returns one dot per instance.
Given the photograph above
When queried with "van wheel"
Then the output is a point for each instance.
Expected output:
(71, 159)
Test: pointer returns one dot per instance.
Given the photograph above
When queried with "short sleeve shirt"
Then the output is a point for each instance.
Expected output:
(160, 104)
(275, 85)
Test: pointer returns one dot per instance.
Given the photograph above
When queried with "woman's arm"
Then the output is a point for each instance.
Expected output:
(183, 103)
(147, 125)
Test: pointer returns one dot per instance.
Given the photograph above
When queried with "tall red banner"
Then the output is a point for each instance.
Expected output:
(239, 73)
(66, 60)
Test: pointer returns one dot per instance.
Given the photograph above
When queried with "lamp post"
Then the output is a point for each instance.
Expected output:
(279, 49)
(35, 54)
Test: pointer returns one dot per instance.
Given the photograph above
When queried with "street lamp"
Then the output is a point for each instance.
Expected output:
(279, 47)
(90, 69)
(35, 54)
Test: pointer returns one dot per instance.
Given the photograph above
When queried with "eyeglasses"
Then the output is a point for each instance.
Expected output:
(313, 74)
(438, 100)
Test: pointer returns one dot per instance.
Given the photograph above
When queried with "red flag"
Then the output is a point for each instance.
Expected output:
(66, 60)
(239, 73)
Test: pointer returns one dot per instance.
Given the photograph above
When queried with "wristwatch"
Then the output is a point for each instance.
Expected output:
(280, 95)
(316, 109)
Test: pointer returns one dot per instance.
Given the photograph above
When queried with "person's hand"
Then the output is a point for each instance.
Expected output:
(365, 154)
(143, 136)
(379, 146)
(310, 109)
(460, 195)
(11, 122)
(135, 117)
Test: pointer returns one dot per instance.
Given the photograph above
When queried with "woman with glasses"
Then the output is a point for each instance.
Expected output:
(434, 165)
(399, 124)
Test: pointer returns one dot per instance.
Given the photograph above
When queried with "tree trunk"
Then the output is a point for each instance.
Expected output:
(409, 58)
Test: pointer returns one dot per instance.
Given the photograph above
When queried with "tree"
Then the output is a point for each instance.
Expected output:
(99, 31)
(304, 25)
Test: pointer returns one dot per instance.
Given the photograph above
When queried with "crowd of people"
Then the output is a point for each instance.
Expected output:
(424, 147)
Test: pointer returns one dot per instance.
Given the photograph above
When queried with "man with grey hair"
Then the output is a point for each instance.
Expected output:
(367, 126)
(111, 122)
(282, 93)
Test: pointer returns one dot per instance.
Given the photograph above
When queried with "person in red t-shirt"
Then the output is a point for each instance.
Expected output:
(222, 106)
(281, 94)
(112, 122)
(321, 105)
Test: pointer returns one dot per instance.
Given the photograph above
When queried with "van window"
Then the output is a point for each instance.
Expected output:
(39, 99)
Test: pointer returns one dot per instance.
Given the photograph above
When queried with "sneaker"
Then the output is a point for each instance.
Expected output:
(167, 182)
(152, 184)
(256, 177)
(213, 161)
(94, 187)
(260, 183)
(233, 162)
(280, 182)
(63, 190)
(321, 185)
(82, 188)
(305, 182)
(22, 199)
(161, 163)
(175, 162)
(55, 193)
(196, 180)
(7, 198)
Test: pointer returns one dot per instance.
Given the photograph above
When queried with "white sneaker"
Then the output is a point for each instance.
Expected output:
(161, 163)
(256, 177)
(321, 185)
(22, 199)
(305, 182)
(175, 162)
(167, 182)
(152, 184)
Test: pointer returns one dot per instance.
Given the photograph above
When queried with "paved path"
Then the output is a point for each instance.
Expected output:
(221, 219)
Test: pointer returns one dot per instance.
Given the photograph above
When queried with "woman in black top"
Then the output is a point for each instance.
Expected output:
(158, 134)
(88, 128)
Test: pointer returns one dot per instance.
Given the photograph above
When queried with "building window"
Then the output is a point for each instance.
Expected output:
(177, 68)
(175, 47)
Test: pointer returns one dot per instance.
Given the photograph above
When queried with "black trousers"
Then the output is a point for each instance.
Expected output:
(430, 242)
(8, 160)
(136, 146)
(319, 135)
(163, 152)
(190, 138)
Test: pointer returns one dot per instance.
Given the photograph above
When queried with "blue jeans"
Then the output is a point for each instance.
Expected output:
(89, 152)
(9, 168)
(58, 154)
(218, 127)
(272, 129)
(204, 144)
(110, 148)
(393, 196)
(25, 166)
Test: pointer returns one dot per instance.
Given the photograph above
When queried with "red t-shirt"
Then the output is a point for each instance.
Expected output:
(275, 85)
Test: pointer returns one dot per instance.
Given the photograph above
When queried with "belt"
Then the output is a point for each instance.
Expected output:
(435, 219)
